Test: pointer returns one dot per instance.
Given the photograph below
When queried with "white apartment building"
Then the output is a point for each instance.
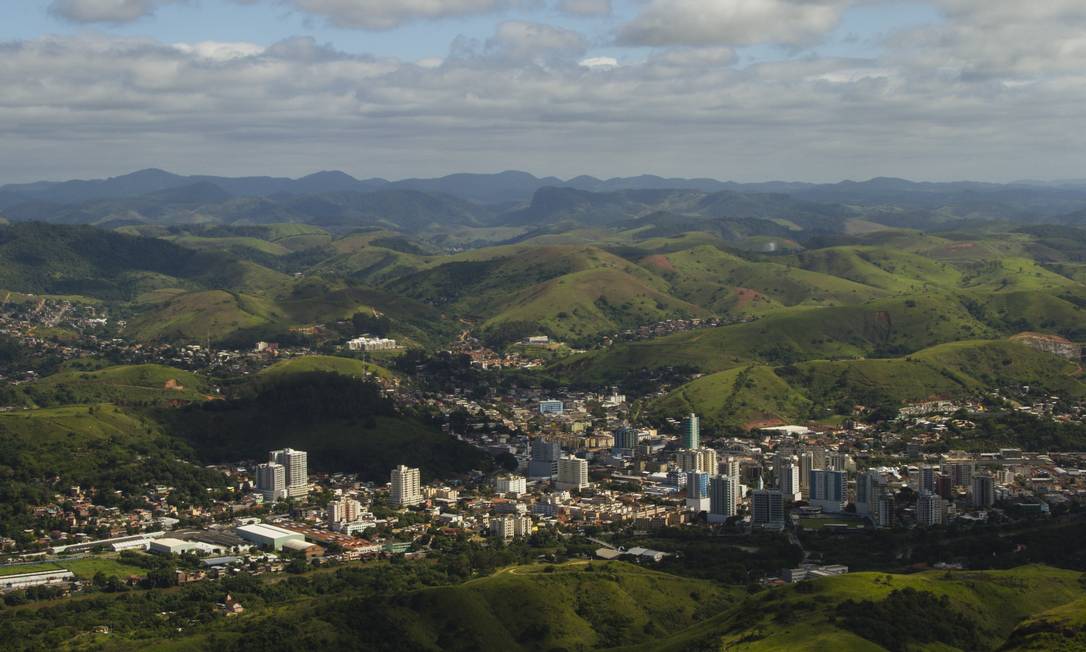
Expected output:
(572, 473)
(296, 465)
(511, 484)
(271, 481)
(406, 486)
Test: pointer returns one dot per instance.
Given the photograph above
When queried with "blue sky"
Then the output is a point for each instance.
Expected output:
(740, 89)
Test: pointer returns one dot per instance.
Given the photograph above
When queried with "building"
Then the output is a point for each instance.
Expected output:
(626, 439)
(551, 407)
(828, 489)
(271, 481)
(691, 432)
(508, 527)
(806, 465)
(886, 515)
(730, 467)
(20, 581)
(371, 344)
(270, 537)
(544, 460)
(788, 482)
(572, 473)
(511, 484)
(406, 486)
(296, 464)
(961, 473)
(930, 509)
(699, 459)
(697, 491)
(867, 493)
(983, 491)
(767, 508)
(925, 481)
(344, 510)
(723, 498)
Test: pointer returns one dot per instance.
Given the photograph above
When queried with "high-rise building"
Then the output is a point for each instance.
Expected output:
(925, 481)
(691, 432)
(544, 461)
(867, 493)
(297, 470)
(837, 461)
(806, 465)
(730, 467)
(344, 510)
(887, 513)
(271, 481)
(700, 459)
(723, 498)
(626, 439)
(697, 491)
(944, 485)
(828, 490)
(960, 472)
(788, 482)
(572, 473)
(406, 486)
(511, 484)
(767, 507)
(983, 491)
(929, 509)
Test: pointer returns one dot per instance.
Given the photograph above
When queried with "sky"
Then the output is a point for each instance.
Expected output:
(746, 90)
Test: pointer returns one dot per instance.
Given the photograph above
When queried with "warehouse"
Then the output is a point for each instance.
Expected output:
(40, 578)
(268, 536)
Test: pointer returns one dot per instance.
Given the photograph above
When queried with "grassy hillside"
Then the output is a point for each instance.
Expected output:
(328, 364)
(147, 384)
(986, 606)
(816, 389)
(198, 316)
(100, 446)
(344, 423)
(884, 327)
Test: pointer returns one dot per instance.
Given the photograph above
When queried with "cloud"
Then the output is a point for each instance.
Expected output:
(521, 41)
(940, 102)
(732, 22)
(105, 11)
(585, 7)
(387, 14)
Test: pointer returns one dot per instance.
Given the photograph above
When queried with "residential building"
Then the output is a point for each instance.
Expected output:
(828, 489)
(511, 484)
(925, 481)
(344, 510)
(697, 491)
(930, 509)
(406, 486)
(626, 439)
(983, 491)
(295, 464)
(767, 508)
(788, 482)
(371, 344)
(271, 481)
(572, 473)
(544, 460)
(867, 493)
(887, 509)
(960, 472)
(700, 459)
(723, 498)
(551, 407)
(691, 432)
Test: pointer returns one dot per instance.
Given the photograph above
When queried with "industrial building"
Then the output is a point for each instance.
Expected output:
(268, 536)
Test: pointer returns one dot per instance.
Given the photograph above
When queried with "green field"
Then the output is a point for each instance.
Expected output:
(327, 363)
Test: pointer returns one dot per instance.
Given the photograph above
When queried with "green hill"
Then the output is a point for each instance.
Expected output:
(816, 389)
(147, 384)
(344, 423)
(202, 315)
(884, 327)
(326, 363)
(99, 446)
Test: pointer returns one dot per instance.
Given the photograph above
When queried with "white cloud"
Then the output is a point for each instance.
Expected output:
(585, 7)
(523, 41)
(105, 11)
(974, 96)
(598, 62)
(732, 22)
(387, 14)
